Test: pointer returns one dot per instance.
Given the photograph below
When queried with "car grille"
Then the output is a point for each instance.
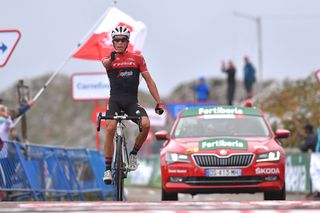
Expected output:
(234, 160)
(220, 181)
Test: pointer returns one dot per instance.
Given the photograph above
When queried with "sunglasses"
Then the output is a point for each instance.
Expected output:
(120, 39)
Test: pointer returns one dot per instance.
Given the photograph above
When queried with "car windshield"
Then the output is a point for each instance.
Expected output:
(213, 126)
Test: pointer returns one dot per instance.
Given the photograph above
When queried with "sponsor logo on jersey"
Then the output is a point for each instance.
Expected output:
(124, 63)
(125, 74)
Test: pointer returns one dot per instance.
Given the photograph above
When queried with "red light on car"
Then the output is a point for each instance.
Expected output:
(248, 104)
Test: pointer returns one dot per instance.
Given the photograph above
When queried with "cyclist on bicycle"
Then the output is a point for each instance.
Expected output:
(124, 69)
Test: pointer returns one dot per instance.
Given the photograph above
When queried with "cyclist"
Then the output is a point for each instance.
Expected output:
(123, 69)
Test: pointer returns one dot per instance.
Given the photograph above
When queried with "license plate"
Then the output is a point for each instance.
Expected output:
(223, 172)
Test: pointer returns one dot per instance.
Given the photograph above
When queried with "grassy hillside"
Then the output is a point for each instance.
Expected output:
(56, 119)
(291, 105)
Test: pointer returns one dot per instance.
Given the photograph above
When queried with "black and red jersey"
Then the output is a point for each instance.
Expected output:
(124, 76)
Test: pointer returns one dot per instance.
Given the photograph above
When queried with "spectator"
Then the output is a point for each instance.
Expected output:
(231, 73)
(310, 141)
(7, 130)
(8, 133)
(6, 123)
(202, 89)
(249, 76)
(6, 126)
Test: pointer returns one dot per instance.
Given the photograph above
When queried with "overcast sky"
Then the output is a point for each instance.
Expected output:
(185, 39)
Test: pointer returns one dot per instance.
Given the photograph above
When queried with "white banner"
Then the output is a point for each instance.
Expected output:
(315, 172)
(90, 86)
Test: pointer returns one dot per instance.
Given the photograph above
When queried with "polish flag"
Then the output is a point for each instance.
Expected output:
(99, 44)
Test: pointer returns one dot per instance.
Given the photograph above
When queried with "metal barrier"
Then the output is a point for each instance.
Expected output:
(54, 173)
(12, 174)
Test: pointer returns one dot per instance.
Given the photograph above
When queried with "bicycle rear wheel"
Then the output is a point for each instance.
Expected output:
(119, 179)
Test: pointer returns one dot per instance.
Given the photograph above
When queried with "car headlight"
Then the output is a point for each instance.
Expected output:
(175, 157)
(269, 156)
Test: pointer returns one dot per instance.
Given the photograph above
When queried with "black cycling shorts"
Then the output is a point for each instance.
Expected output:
(128, 108)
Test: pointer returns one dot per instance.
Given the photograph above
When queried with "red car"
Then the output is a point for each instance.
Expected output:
(222, 149)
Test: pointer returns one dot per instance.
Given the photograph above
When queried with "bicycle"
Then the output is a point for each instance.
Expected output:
(121, 159)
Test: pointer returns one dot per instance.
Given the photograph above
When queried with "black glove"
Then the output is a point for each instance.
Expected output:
(113, 55)
(159, 109)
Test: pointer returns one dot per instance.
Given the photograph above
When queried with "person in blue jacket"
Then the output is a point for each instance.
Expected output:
(249, 76)
(202, 89)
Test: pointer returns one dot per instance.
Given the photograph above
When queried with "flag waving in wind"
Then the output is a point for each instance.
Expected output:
(100, 42)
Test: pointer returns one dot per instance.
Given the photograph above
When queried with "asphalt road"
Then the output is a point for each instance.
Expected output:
(146, 194)
(147, 200)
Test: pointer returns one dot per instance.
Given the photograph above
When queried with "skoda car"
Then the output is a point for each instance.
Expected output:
(222, 149)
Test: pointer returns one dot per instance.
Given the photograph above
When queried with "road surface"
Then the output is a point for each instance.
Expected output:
(138, 194)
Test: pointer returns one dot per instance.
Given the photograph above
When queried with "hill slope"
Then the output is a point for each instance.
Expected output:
(56, 119)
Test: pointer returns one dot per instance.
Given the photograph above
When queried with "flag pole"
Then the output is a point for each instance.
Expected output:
(59, 68)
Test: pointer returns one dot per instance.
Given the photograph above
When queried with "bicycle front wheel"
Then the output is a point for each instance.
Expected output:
(119, 178)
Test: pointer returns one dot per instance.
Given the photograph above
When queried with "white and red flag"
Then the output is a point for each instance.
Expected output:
(99, 44)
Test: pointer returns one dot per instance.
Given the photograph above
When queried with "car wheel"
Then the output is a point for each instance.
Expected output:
(168, 195)
(276, 195)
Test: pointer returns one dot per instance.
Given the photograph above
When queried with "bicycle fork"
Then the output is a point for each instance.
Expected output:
(124, 150)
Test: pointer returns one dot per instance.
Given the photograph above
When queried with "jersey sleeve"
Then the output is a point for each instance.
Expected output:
(142, 64)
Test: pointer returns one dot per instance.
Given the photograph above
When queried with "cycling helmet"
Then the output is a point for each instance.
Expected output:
(120, 30)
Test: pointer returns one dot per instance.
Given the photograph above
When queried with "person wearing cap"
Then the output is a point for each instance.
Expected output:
(124, 70)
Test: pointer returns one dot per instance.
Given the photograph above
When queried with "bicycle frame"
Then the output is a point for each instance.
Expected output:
(120, 153)
(120, 169)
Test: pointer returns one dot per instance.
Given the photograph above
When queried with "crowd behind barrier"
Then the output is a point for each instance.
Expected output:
(51, 173)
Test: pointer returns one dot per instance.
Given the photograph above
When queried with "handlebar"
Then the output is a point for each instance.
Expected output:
(119, 118)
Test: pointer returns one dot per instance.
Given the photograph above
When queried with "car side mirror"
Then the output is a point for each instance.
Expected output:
(282, 133)
(161, 135)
